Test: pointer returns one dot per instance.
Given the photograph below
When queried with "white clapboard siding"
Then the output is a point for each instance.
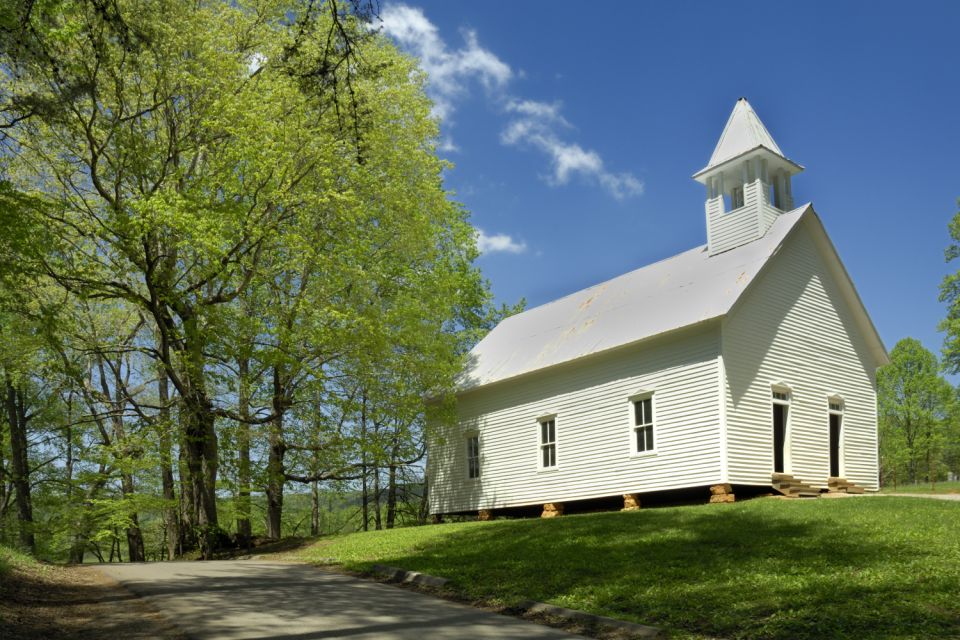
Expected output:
(794, 327)
(729, 229)
(590, 399)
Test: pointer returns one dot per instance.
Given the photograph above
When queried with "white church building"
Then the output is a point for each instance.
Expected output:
(746, 364)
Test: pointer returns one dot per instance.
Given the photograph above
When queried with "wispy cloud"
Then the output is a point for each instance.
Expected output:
(537, 124)
(532, 124)
(449, 70)
(499, 242)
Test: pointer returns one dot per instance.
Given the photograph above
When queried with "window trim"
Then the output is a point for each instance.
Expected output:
(468, 437)
(836, 406)
(631, 427)
(547, 417)
(835, 403)
(784, 389)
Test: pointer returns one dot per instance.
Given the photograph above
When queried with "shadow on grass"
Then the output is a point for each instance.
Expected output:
(71, 603)
(763, 569)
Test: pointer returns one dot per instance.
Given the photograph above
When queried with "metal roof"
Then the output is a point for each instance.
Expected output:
(744, 131)
(688, 288)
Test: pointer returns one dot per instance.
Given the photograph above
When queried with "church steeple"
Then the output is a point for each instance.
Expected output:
(747, 180)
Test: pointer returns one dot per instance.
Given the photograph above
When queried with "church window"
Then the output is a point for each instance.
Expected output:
(548, 443)
(643, 424)
(473, 456)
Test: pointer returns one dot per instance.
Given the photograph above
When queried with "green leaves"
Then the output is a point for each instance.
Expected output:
(190, 185)
(950, 293)
(915, 409)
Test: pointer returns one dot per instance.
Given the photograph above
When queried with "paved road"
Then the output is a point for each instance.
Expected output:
(250, 599)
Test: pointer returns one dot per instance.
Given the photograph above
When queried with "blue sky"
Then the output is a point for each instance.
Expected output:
(575, 128)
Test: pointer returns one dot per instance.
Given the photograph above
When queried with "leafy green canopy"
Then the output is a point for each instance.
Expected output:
(915, 410)
(197, 151)
(950, 293)
(255, 177)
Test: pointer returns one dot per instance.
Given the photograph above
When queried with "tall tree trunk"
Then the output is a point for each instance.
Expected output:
(315, 508)
(378, 456)
(275, 468)
(201, 457)
(363, 464)
(377, 523)
(424, 510)
(79, 544)
(315, 468)
(171, 521)
(392, 477)
(244, 528)
(81, 538)
(199, 438)
(19, 463)
(931, 466)
(188, 517)
(135, 547)
(3, 478)
(392, 493)
(128, 490)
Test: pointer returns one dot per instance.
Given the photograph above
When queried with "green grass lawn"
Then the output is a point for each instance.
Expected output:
(942, 487)
(855, 568)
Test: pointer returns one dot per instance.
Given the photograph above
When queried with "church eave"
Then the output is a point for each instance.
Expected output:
(795, 167)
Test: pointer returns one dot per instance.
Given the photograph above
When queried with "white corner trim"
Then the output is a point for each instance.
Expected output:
(722, 391)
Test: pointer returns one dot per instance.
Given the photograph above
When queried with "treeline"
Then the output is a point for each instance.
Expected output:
(228, 267)
(919, 418)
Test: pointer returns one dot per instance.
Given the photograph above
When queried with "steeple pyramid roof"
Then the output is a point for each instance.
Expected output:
(744, 134)
(744, 131)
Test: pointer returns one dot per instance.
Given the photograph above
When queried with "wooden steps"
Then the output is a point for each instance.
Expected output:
(842, 485)
(793, 488)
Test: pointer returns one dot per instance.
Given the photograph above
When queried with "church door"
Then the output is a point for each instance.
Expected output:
(779, 436)
(834, 445)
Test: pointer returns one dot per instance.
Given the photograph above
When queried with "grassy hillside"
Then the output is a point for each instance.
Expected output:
(11, 559)
(856, 568)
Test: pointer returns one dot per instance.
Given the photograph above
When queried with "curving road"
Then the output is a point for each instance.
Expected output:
(258, 600)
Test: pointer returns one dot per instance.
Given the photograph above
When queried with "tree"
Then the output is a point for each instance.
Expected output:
(914, 406)
(193, 165)
(950, 293)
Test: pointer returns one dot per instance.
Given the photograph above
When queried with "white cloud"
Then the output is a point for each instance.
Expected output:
(532, 123)
(448, 71)
(499, 242)
(447, 145)
(536, 124)
(534, 109)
